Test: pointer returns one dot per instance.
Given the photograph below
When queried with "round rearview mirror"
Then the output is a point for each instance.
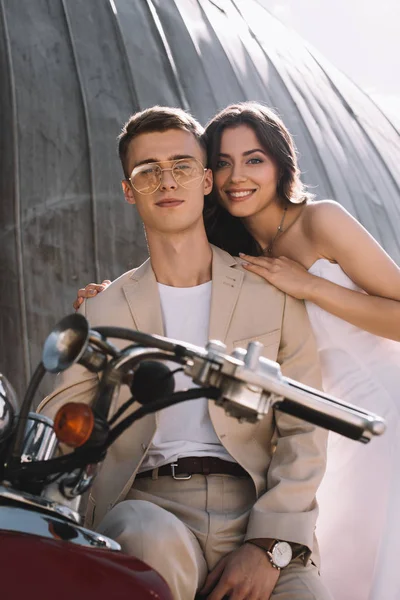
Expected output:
(66, 343)
(8, 408)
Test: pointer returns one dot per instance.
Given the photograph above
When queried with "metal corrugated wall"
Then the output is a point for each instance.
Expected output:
(72, 71)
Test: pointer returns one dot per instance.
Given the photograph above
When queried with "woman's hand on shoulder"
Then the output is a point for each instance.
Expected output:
(90, 291)
(285, 274)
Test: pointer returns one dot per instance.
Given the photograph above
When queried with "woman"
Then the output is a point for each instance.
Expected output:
(317, 252)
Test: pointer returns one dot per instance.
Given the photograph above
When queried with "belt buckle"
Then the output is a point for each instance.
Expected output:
(174, 476)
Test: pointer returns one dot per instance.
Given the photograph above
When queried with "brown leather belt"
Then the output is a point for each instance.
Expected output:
(184, 468)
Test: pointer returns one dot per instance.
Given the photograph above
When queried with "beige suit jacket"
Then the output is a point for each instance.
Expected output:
(284, 456)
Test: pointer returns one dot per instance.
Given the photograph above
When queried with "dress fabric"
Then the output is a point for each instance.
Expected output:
(358, 528)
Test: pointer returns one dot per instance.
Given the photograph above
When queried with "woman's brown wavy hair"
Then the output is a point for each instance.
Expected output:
(223, 229)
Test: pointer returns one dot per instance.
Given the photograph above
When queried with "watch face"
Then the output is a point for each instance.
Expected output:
(281, 554)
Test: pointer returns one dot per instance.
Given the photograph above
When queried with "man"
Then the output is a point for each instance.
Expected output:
(206, 501)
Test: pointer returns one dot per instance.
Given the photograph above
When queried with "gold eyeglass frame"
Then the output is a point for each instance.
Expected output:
(175, 162)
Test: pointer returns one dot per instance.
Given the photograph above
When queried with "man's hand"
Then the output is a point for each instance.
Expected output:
(90, 291)
(243, 574)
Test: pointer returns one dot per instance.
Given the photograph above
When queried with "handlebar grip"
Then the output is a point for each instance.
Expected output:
(315, 416)
(329, 412)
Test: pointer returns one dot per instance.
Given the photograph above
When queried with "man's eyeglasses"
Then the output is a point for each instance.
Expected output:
(187, 172)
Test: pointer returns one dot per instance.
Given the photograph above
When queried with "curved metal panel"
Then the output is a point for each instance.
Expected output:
(109, 93)
(13, 327)
(72, 71)
(150, 67)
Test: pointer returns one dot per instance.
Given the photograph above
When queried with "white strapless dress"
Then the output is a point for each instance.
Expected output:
(359, 524)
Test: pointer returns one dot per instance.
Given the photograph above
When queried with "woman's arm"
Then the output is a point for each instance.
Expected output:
(337, 236)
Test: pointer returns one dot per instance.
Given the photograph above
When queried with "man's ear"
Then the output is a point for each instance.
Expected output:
(208, 182)
(128, 191)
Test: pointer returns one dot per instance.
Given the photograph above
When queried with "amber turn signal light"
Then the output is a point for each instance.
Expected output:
(74, 423)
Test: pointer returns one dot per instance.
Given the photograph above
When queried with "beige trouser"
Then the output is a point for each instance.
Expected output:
(182, 528)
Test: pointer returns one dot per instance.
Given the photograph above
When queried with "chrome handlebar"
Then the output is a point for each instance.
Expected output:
(251, 385)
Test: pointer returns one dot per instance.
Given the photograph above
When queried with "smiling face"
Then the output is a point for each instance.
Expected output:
(245, 176)
(172, 208)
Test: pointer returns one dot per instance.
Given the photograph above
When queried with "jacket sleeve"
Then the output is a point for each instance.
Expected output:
(288, 509)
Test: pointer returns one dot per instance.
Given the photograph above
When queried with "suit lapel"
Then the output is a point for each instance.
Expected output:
(227, 283)
(226, 286)
(144, 300)
(143, 297)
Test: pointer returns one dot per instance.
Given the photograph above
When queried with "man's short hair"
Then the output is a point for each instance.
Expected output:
(156, 119)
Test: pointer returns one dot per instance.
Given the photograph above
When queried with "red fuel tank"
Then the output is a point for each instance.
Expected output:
(49, 569)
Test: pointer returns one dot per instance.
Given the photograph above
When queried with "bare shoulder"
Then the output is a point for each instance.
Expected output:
(322, 213)
(325, 223)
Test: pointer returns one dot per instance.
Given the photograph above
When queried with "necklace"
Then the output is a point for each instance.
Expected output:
(268, 249)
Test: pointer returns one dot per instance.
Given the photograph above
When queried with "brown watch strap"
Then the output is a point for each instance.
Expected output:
(265, 544)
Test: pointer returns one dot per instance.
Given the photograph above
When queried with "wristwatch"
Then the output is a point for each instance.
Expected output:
(279, 553)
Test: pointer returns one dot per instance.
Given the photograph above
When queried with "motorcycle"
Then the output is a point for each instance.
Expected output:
(41, 489)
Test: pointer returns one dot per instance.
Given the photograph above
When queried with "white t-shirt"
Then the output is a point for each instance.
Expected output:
(184, 429)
